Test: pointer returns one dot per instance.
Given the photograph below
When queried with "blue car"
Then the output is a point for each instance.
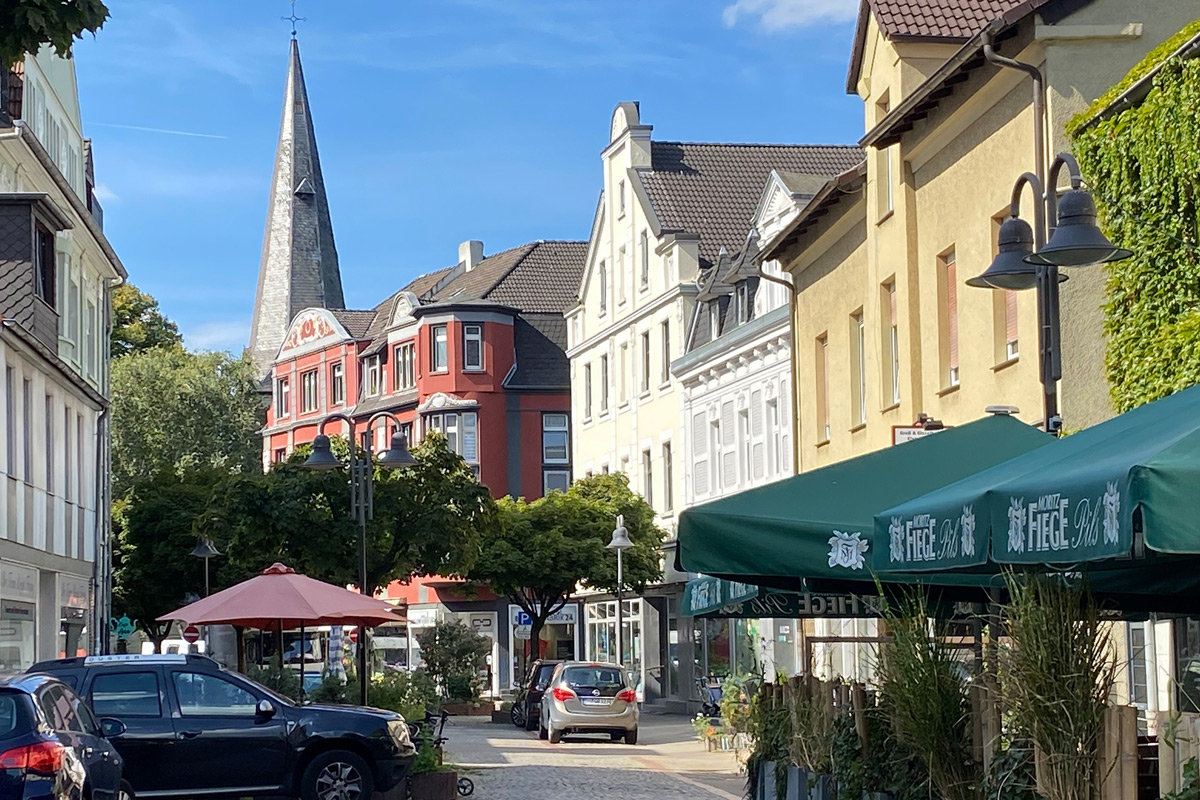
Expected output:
(51, 745)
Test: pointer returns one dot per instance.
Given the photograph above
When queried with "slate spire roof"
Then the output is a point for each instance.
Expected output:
(299, 267)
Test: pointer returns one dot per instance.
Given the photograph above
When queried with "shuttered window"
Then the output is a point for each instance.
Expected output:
(1010, 324)
(728, 446)
(757, 445)
(699, 454)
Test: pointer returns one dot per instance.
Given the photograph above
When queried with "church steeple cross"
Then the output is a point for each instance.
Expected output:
(294, 19)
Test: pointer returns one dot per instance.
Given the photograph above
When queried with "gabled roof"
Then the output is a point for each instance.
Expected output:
(355, 322)
(711, 190)
(949, 21)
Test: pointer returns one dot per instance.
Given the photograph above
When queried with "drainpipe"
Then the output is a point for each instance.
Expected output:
(988, 38)
(102, 569)
(793, 373)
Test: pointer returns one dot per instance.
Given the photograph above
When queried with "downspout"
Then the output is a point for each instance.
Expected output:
(794, 372)
(988, 37)
(102, 569)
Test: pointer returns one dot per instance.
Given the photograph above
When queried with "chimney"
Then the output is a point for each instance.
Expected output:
(470, 253)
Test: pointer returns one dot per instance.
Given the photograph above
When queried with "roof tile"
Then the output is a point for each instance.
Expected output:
(942, 19)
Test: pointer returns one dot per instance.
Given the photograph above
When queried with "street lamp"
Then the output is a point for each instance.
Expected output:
(620, 542)
(205, 549)
(362, 495)
(1026, 260)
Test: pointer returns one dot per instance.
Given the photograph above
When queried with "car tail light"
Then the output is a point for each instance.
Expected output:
(562, 695)
(628, 695)
(43, 758)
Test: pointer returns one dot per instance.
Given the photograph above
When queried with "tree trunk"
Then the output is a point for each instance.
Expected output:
(535, 637)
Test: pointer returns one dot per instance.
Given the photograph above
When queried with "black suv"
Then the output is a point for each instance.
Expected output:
(193, 727)
(527, 707)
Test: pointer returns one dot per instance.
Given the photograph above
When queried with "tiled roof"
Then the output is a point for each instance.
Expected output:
(356, 323)
(939, 19)
(540, 341)
(712, 189)
(423, 283)
(546, 280)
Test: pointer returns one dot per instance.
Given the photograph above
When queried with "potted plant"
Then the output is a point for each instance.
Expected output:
(430, 779)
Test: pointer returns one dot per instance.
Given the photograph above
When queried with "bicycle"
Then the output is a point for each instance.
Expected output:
(435, 724)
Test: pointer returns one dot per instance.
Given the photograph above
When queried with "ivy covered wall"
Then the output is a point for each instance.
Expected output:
(1143, 167)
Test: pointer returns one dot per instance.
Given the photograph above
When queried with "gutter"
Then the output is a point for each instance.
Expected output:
(1136, 93)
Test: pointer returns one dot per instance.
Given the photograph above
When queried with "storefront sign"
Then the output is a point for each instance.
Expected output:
(11, 609)
(422, 617)
(910, 433)
(706, 594)
(18, 583)
(482, 623)
(567, 615)
(73, 592)
(801, 605)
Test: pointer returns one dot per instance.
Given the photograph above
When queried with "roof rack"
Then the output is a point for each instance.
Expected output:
(133, 658)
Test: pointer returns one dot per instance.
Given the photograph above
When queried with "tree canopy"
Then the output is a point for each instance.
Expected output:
(173, 410)
(26, 25)
(542, 552)
(429, 519)
(138, 324)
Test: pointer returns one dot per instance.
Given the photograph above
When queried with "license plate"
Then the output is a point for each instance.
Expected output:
(597, 701)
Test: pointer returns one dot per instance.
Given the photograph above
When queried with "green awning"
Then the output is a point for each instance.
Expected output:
(705, 595)
(1079, 500)
(819, 524)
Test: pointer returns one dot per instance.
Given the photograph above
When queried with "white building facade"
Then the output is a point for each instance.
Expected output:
(669, 214)
(56, 274)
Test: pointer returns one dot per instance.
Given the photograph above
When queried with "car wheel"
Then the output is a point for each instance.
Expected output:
(542, 732)
(517, 715)
(616, 737)
(125, 792)
(337, 775)
(631, 736)
(555, 736)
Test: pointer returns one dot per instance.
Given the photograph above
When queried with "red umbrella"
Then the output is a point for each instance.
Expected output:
(281, 599)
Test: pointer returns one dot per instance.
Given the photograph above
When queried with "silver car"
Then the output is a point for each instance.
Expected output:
(586, 697)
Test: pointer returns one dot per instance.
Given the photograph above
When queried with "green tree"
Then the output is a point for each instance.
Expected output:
(454, 654)
(138, 324)
(153, 535)
(26, 25)
(543, 551)
(173, 410)
(429, 518)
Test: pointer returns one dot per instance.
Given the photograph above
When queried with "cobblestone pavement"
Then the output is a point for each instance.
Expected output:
(667, 764)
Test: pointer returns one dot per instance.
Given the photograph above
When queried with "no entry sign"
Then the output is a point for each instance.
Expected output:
(354, 636)
(191, 634)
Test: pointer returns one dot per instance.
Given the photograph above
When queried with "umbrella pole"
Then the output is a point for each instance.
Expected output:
(301, 662)
(279, 645)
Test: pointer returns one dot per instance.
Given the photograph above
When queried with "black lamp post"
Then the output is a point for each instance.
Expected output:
(205, 549)
(1026, 260)
(362, 496)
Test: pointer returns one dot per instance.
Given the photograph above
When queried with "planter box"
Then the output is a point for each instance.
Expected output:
(435, 786)
(820, 787)
(502, 717)
(766, 781)
(797, 783)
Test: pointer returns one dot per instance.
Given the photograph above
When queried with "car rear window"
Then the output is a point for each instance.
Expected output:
(608, 680)
(126, 694)
(10, 715)
(542, 679)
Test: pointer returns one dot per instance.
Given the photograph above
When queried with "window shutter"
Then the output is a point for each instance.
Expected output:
(470, 438)
(728, 445)
(700, 454)
(1010, 316)
(757, 447)
(952, 311)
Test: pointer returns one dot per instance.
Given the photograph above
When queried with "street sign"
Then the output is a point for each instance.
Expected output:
(354, 636)
(191, 634)
(523, 631)
(910, 433)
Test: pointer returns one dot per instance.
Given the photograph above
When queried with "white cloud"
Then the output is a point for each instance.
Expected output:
(778, 15)
(159, 130)
(230, 335)
(105, 194)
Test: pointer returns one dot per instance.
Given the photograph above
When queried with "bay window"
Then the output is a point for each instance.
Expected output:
(472, 347)
(437, 350)
(461, 430)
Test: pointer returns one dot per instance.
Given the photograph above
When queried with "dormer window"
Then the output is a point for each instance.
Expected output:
(44, 280)
(714, 318)
(371, 371)
(743, 302)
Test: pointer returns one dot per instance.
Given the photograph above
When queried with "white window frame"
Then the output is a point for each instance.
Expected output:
(372, 377)
(472, 333)
(441, 364)
(337, 383)
(603, 288)
(646, 371)
(309, 391)
(644, 244)
(587, 391)
(743, 303)
(404, 366)
(668, 478)
(459, 428)
(648, 476)
(283, 398)
(548, 474)
(604, 391)
(556, 422)
(666, 351)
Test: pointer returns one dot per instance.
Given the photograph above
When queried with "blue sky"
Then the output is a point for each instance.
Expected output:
(437, 121)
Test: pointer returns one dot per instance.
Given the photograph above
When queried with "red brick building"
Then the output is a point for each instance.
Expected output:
(474, 351)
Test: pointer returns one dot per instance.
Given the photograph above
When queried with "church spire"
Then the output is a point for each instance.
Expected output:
(299, 267)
